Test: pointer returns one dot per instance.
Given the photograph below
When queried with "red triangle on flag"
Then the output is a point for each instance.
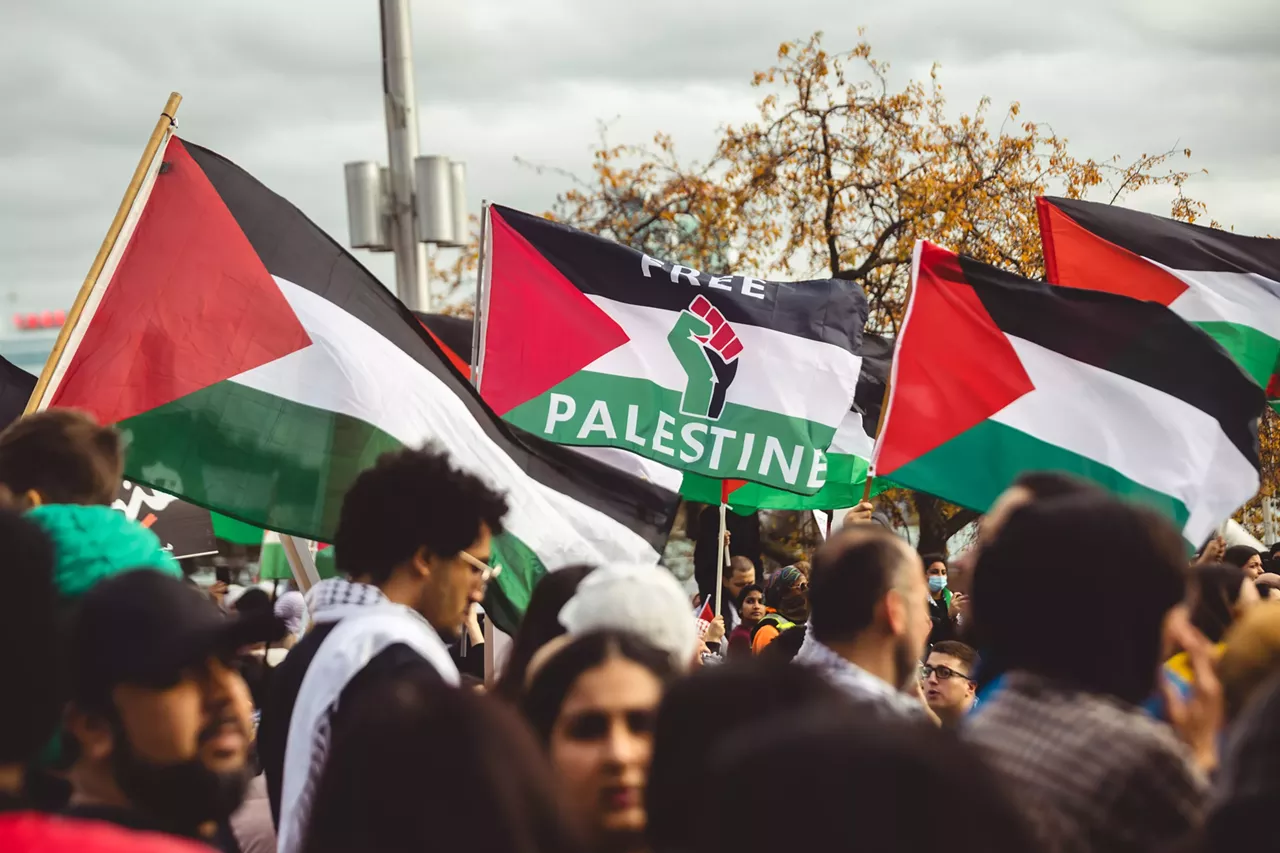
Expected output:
(1076, 257)
(953, 369)
(190, 305)
(540, 328)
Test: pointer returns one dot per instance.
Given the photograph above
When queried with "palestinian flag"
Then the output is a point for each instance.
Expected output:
(848, 457)
(1226, 284)
(996, 375)
(845, 475)
(589, 343)
(255, 368)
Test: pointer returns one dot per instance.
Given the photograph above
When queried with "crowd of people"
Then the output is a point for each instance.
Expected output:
(1075, 681)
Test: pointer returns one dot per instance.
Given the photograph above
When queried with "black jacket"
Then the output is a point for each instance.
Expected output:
(273, 728)
(943, 627)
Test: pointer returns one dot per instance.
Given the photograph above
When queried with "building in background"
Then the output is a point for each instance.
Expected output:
(27, 339)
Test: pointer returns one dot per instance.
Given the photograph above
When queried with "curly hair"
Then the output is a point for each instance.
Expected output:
(409, 501)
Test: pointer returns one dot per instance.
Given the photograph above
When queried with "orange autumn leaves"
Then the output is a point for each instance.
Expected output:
(840, 173)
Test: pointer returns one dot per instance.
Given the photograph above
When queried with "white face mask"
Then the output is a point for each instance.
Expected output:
(937, 583)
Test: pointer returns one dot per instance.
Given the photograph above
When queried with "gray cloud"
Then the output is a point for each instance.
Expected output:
(291, 89)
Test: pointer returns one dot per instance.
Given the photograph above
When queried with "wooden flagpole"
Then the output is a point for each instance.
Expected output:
(723, 551)
(884, 407)
(303, 565)
(722, 547)
(163, 124)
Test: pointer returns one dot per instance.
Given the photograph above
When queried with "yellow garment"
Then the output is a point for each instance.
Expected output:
(1180, 664)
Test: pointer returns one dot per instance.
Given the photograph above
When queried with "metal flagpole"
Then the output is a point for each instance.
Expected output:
(478, 325)
(480, 316)
(164, 127)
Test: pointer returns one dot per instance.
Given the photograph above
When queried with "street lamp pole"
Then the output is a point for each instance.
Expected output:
(402, 148)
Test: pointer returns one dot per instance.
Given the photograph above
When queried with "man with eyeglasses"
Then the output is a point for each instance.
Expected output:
(947, 679)
(414, 544)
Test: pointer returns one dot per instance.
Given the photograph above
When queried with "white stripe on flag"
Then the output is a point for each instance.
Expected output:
(350, 369)
(777, 372)
(1246, 299)
(1151, 437)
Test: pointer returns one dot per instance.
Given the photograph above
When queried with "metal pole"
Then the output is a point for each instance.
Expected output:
(402, 148)
(480, 318)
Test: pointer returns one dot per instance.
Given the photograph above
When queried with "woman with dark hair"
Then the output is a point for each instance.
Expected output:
(1217, 595)
(859, 785)
(751, 608)
(1074, 702)
(593, 703)
(704, 711)
(427, 767)
(1246, 558)
(541, 625)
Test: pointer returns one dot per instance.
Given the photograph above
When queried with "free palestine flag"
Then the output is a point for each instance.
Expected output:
(1226, 284)
(255, 368)
(847, 457)
(589, 343)
(996, 375)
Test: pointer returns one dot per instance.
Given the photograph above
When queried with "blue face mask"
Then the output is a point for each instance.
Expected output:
(937, 583)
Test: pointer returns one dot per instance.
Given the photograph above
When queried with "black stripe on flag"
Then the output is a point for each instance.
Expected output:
(1143, 341)
(1177, 245)
(829, 310)
(294, 248)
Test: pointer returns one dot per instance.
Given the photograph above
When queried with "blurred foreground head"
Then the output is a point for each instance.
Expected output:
(1125, 569)
(29, 667)
(866, 786)
(427, 767)
(1028, 488)
(60, 456)
(704, 711)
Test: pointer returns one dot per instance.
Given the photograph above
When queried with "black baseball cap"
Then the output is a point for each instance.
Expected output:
(143, 628)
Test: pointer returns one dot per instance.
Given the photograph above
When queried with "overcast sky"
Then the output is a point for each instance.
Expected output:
(290, 90)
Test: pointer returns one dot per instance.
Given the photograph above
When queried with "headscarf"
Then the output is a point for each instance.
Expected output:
(290, 607)
(643, 600)
(780, 584)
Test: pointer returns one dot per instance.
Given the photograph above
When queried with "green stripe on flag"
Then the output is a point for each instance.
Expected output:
(509, 592)
(275, 463)
(235, 531)
(284, 466)
(1256, 352)
(973, 468)
(846, 478)
(602, 410)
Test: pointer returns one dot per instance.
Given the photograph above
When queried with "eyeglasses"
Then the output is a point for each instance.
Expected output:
(486, 571)
(944, 673)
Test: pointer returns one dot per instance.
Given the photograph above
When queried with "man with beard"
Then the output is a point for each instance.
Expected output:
(869, 620)
(162, 722)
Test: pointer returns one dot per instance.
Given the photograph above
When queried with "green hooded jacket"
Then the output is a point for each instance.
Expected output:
(92, 543)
